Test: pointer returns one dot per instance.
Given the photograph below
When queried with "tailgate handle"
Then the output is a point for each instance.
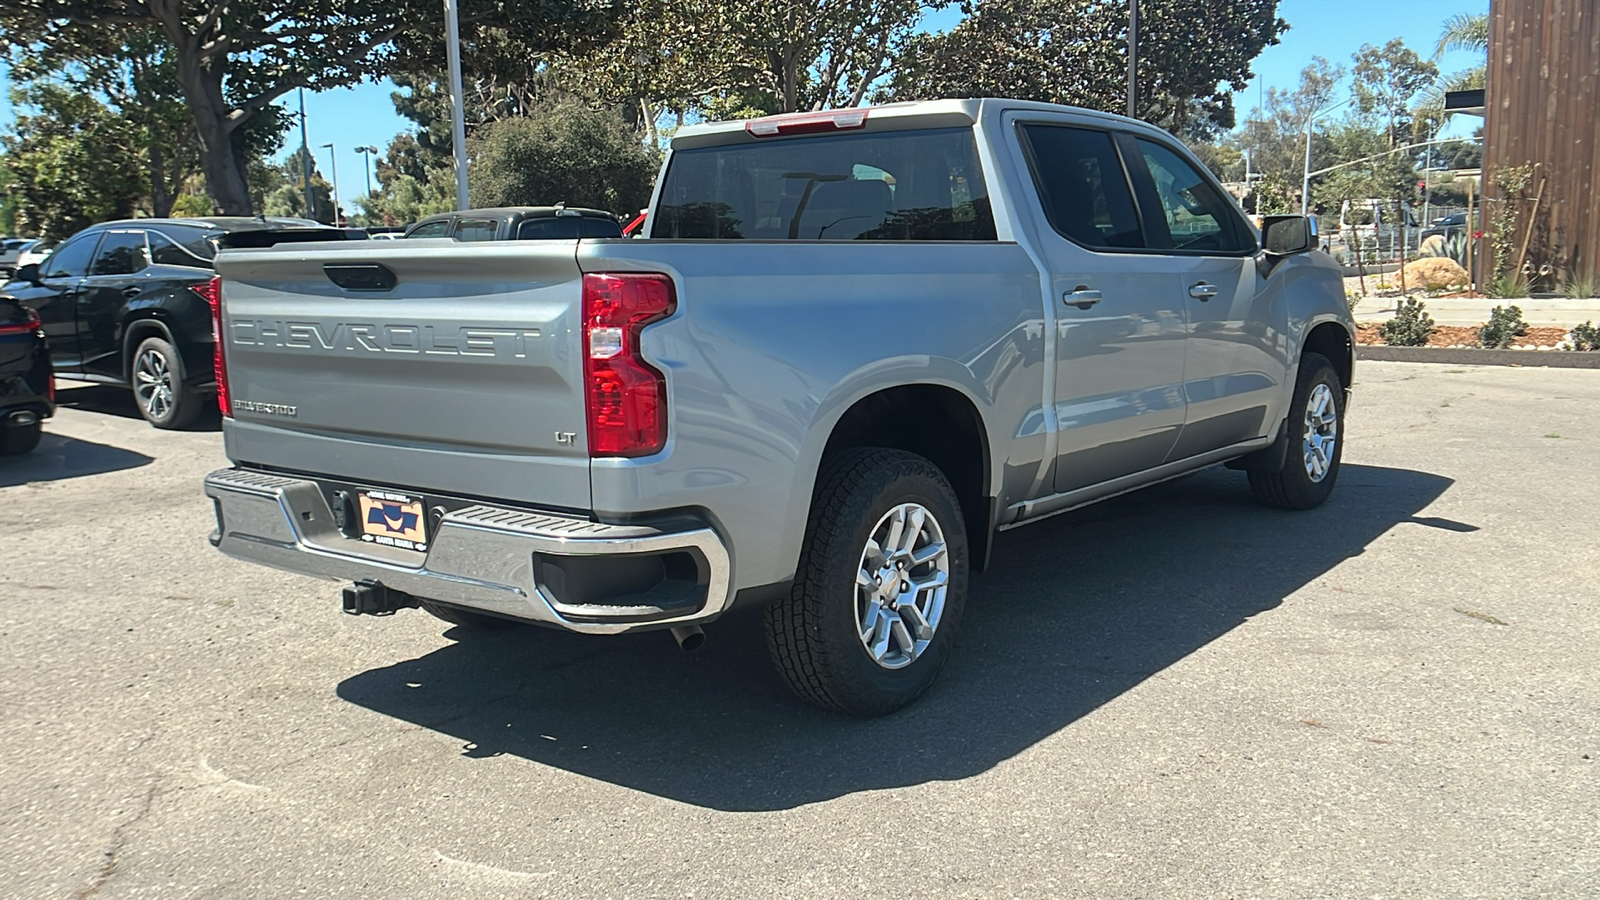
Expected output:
(360, 276)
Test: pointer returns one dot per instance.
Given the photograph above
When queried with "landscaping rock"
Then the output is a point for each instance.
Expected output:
(1435, 273)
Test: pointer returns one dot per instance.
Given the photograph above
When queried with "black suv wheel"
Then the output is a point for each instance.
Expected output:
(156, 372)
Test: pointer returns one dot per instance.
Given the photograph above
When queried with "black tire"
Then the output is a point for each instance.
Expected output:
(812, 635)
(18, 439)
(466, 618)
(158, 359)
(1295, 487)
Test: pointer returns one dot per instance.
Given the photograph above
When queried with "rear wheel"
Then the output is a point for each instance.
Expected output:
(18, 439)
(466, 618)
(1316, 432)
(881, 586)
(157, 376)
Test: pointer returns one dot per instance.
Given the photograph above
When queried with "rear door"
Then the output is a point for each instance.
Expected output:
(1119, 322)
(1234, 362)
(464, 377)
(115, 277)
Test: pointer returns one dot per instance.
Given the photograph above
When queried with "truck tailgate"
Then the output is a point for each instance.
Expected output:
(463, 377)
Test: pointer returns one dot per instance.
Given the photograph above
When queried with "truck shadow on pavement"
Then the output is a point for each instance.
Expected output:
(57, 458)
(1073, 613)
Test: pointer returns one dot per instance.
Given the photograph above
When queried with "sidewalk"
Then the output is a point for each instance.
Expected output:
(1475, 310)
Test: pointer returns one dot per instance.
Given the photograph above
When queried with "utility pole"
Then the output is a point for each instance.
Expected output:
(1133, 57)
(305, 157)
(333, 162)
(458, 123)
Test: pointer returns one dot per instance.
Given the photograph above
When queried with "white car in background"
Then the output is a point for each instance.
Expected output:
(32, 253)
(10, 249)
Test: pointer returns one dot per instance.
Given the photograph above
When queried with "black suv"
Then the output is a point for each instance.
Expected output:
(127, 303)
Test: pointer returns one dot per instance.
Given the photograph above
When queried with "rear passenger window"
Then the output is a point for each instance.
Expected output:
(431, 229)
(121, 253)
(1082, 187)
(477, 230)
(900, 186)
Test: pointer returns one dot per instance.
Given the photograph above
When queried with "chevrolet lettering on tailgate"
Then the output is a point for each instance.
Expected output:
(371, 338)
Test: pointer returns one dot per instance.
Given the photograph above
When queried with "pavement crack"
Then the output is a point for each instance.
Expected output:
(119, 840)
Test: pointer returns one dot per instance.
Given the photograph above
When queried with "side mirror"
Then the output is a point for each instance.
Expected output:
(28, 273)
(1288, 235)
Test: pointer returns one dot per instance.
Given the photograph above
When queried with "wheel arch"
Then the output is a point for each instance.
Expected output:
(939, 422)
(1332, 339)
(136, 331)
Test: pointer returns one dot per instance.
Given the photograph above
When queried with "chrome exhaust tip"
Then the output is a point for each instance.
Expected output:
(689, 637)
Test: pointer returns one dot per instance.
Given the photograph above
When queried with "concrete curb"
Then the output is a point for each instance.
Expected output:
(1471, 356)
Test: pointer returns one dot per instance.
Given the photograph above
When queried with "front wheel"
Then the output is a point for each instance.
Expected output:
(1316, 431)
(157, 375)
(880, 588)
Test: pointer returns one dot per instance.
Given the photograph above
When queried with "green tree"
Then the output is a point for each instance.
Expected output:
(233, 58)
(1275, 134)
(566, 153)
(1192, 53)
(1387, 83)
(71, 161)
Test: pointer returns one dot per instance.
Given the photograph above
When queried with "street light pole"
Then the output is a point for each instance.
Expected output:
(305, 156)
(333, 162)
(1133, 57)
(458, 125)
(1305, 184)
(368, 152)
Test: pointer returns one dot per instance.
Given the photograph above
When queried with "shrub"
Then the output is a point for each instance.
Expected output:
(1510, 287)
(1410, 327)
(1582, 287)
(1586, 337)
(1505, 323)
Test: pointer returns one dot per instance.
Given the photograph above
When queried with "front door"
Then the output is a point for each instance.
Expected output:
(1119, 402)
(1235, 361)
(55, 298)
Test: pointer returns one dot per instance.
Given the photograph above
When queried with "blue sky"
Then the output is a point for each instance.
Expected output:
(1335, 29)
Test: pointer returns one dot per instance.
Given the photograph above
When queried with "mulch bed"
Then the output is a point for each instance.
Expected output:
(1467, 336)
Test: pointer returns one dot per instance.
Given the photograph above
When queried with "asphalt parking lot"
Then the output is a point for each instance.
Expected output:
(1174, 694)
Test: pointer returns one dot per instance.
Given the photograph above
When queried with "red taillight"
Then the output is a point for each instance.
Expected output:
(30, 322)
(211, 292)
(626, 397)
(807, 122)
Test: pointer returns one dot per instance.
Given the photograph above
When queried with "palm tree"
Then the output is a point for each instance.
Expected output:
(1461, 32)
(1464, 32)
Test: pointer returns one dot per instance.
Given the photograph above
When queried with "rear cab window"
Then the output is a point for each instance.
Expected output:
(923, 185)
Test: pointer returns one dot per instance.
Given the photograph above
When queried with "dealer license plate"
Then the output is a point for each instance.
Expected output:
(393, 520)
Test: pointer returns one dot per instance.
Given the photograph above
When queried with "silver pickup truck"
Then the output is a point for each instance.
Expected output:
(854, 346)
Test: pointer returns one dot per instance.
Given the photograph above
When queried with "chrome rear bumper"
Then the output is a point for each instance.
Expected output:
(480, 556)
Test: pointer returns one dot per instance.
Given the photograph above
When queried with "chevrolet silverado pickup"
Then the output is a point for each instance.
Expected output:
(853, 347)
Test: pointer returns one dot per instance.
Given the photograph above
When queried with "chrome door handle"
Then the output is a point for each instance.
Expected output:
(1203, 291)
(1082, 297)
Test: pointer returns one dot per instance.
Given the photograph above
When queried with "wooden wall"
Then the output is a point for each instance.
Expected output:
(1543, 106)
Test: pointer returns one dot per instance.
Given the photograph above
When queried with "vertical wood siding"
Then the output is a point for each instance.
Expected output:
(1543, 106)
